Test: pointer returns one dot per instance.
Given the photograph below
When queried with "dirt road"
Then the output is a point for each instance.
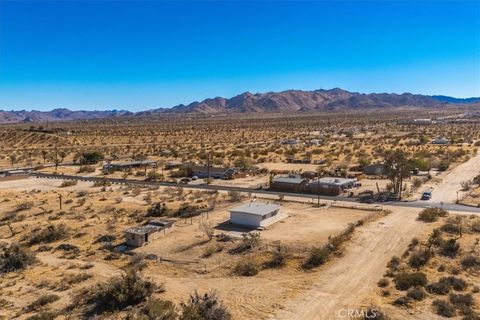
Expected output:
(446, 190)
(348, 281)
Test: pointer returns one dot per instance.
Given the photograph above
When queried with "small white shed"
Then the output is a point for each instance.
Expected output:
(255, 214)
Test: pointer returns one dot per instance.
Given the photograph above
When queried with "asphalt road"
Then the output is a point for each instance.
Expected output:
(411, 204)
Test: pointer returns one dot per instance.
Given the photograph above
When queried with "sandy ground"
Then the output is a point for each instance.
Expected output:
(288, 166)
(40, 184)
(347, 283)
(446, 190)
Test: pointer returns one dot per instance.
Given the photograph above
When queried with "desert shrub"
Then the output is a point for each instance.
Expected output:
(443, 308)
(449, 248)
(458, 284)
(246, 267)
(431, 214)
(405, 280)
(68, 183)
(120, 292)
(444, 285)
(278, 258)
(476, 226)
(223, 237)
(417, 293)
(419, 258)
(187, 210)
(443, 166)
(77, 278)
(153, 176)
(43, 300)
(49, 234)
(317, 256)
(462, 299)
(157, 309)
(15, 258)
(249, 241)
(234, 196)
(394, 263)
(89, 157)
(157, 210)
(451, 228)
(210, 250)
(204, 307)
(471, 262)
(87, 169)
(402, 301)
(43, 315)
(384, 282)
(137, 262)
(82, 193)
(24, 206)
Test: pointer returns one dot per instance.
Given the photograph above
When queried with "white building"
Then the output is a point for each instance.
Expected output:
(255, 214)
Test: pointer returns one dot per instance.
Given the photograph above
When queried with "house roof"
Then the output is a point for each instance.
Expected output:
(133, 163)
(333, 181)
(256, 208)
(151, 227)
(204, 169)
(289, 179)
(146, 229)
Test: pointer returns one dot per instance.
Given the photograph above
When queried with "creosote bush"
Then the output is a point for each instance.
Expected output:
(246, 267)
(431, 214)
(405, 280)
(204, 307)
(417, 293)
(49, 234)
(15, 257)
(443, 308)
(316, 257)
(120, 292)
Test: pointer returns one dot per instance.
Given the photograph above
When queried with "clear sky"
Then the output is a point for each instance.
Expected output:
(147, 54)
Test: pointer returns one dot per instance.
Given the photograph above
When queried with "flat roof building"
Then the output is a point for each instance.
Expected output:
(152, 230)
(255, 214)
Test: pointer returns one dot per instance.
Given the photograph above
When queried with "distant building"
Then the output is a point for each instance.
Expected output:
(422, 121)
(254, 214)
(289, 141)
(289, 183)
(331, 186)
(441, 141)
(125, 166)
(141, 235)
(173, 165)
(377, 169)
(213, 172)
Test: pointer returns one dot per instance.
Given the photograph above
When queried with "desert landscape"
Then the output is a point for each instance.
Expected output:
(69, 205)
(239, 160)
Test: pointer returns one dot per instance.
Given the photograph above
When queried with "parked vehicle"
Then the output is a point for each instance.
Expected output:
(427, 195)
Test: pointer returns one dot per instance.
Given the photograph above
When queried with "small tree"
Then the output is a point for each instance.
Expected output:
(397, 167)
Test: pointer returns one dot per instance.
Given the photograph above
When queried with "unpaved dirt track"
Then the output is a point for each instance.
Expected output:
(347, 281)
(446, 190)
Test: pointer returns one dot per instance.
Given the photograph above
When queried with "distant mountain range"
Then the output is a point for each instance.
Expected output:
(281, 102)
(57, 115)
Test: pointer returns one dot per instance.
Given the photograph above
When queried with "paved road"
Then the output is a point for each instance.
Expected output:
(132, 182)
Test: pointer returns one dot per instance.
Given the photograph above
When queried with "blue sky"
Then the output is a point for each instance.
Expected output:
(148, 54)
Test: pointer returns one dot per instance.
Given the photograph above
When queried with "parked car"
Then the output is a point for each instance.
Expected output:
(427, 195)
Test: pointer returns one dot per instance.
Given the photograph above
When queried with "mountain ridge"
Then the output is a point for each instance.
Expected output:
(320, 100)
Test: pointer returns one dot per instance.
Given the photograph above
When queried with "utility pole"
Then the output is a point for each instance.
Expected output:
(60, 201)
(318, 191)
(208, 168)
